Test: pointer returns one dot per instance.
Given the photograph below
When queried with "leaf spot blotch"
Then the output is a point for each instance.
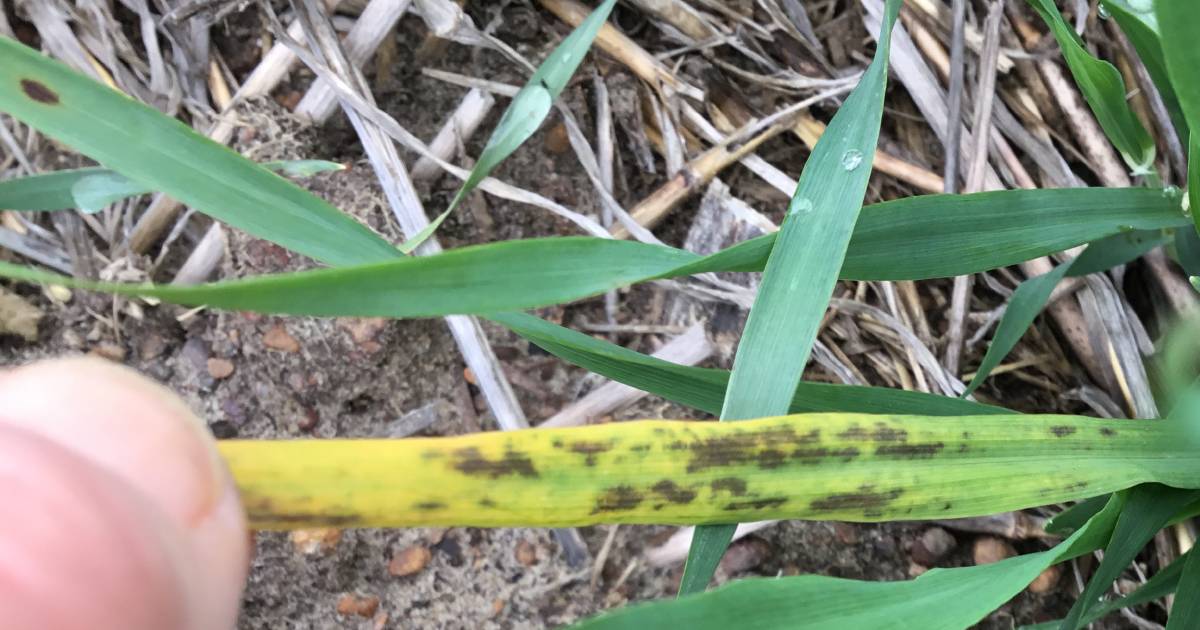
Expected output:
(866, 499)
(756, 504)
(1107, 432)
(590, 450)
(732, 485)
(426, 506)
(674, 492)
(1062, 430)
(618, 499)
(910, 451)
(471, 462)
(38, 91)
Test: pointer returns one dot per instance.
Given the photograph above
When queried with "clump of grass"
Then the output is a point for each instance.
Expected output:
(854, 453)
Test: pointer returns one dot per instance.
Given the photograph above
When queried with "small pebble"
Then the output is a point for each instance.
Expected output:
(933, 545)
(410, 561)
(557, 139)
(989, 549)
(525, 553)
(469, 375)
(1046, 580)
(278, 338)
(312, 541)
(497, 607)
(110, 351)
(220, 368)
(351, 604)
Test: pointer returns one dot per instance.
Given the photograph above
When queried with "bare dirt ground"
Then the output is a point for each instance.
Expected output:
(264, 377)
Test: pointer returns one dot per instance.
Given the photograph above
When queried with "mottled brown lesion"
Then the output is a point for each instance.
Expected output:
(470, 461)
(620, 498)
(39, 92)
(872, 502)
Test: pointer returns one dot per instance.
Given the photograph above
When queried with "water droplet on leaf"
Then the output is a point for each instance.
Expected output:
(851, 159)
(1102, 11)
(801, 205)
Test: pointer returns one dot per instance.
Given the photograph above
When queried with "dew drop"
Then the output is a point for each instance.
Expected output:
(801, 205)
(851, 159)
(1102, 11)
(1125, 228)
(1171, 192)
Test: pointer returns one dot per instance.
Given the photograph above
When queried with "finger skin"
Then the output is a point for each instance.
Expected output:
(115, 503)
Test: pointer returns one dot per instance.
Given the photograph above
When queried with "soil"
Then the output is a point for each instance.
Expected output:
(303, 377)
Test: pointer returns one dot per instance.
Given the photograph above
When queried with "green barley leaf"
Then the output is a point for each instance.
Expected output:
(528, 108)
(1104, 90)
(163, 154)
(61, 190)
(800, 275)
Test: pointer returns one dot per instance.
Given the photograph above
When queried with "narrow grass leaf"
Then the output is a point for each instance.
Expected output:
(1179, 28)
(704, 389)
(1140, 25)
(941, 599)
(163, 154)
(1075, 516)
(1031, 295)
(1187, 249)
(1185, 614)
(800, 275)
(1104, 90)
(1148, 508)
(528, 108)
(56, 190)
(939, 236)
(846, 467)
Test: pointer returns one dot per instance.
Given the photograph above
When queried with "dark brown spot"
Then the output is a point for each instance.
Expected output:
(732, 485)
(618, 498)
(640, 448)
(946, 506)
(910, 451)
(966, 435)
(38, 91)
(487, 503)
(264, 510)
(812, 437)
(1076, 486)
(1107, 432)
(964, 447)
(755, 504)
(820, 453)
(1062, 430)
(884, 433)
(673, 492)
(556, 443)
(590, 449)
(430, 505)
(853, 432)
(472, 462)
(866, 499)
(741, 448)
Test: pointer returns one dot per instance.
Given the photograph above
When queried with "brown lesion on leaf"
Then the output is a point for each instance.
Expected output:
(264, 510)
(38, 91)
(426, 506)
(640, 448)
(732, 485)
(673, 492)
(1077, 486)
(755, 504)
(881, 433)
(867, 499)
(910, 451)
(486, 502)
(618, 499)
(590, 450)
(1062, 430)
(757, 447)
(819, 454)
(470, 461)
(1108, 432)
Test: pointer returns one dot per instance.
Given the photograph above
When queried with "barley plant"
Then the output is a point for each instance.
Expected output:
(783, 448)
